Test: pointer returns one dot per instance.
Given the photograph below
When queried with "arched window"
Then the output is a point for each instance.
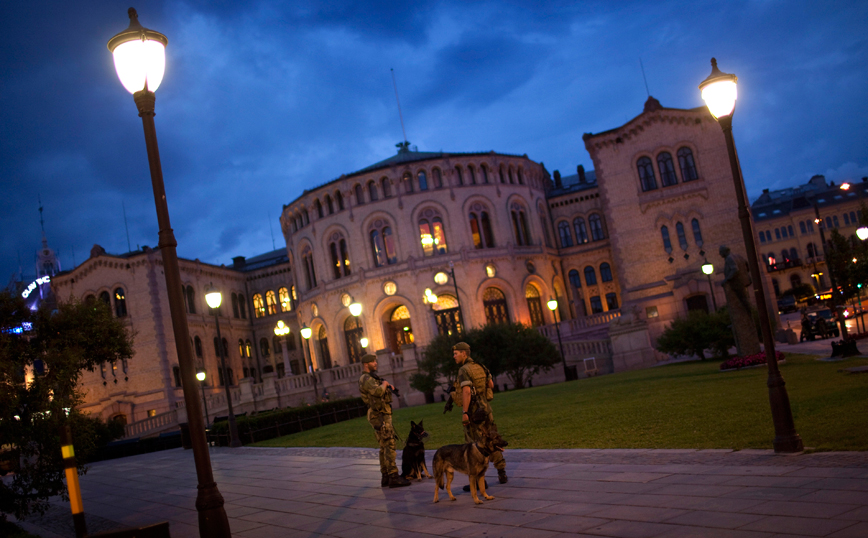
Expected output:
(339, 199)
(242, 306)
(329, 204)
(309, 269)
(372, 191)
(485, 178)
(564, 234)
(258, 306)
(494, 303)
(790, 230)
(263, 347)
(667, 169)
(271, 302)
(197, 346)
(353, 333)
(322, 342)
(802, 228)
(423, 180)
(605, 272)
(318, 207)
(285, 301)
(383, 244)
(581, 231)
(387, 187)
(520, 177)
(534, 305)
(472, 172)
(459, 176)
(778, 233)
(697, 233)
(794, 254)
(667, 244)
(596, 224)
(611, 301)
(596, 305)
(235, 313)
(810, 249)
(248, 349)
(590, 276)
(275, 344)
(511, 178)
(646, 174)
(519, 225)
(688, 167)
(191, 300)
(360, 194)
(502, 177)
(340, 256)
(408, 183)
(575, 279)
(543, 223)
(438, 178)
(432, 237)
(120, 303)
(241, 348)
(682, 237)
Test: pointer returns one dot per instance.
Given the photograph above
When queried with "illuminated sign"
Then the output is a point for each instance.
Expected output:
(32, 286)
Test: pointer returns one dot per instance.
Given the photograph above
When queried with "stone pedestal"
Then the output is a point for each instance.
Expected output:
(631, 343)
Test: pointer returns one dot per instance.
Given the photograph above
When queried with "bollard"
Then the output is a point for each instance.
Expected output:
(72, 484)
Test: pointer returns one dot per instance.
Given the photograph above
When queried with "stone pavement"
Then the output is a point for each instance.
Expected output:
(286, 492)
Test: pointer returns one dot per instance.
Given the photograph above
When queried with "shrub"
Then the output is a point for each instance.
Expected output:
(750, 360)
(697, 332)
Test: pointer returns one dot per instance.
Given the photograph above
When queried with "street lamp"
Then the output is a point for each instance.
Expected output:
(200, 375)
(719, 93)
(708, 269)
(140, 60)
(282, 329)
(552, 303)
(213, 297)
(306, 333)
(819, 222)
(355, 308)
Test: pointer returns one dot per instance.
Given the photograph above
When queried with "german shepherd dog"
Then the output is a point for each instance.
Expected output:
(413, 457)
(470, 459)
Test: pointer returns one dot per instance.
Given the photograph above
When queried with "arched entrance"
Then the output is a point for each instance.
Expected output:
(494, 303)
(353, 333)
(322, 342)
(447, 315)
(534, 305)
(399, 331)
(697, 302)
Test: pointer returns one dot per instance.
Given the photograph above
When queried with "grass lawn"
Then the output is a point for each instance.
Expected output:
(686, 405)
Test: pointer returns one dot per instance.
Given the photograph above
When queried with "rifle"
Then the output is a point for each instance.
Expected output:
(393, 389)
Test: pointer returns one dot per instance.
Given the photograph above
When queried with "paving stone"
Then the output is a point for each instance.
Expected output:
(723, 520)
(637, 513)
(566, 523)
(632, 529)
(804, 526)
(859, 530)
(800, 509)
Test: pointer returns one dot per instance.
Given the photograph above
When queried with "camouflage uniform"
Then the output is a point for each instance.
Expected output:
(379, 402)
(473, 375)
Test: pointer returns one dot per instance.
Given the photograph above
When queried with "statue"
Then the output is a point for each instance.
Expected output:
(736, 281)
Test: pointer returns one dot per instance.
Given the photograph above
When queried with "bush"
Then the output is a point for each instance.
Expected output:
(750, 360)
(697, 332)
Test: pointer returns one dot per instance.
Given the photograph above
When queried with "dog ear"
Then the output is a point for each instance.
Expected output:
(412, 424)
(420, 423)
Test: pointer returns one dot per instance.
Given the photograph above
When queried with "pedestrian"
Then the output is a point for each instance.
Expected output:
(474, 380)
(377, 395)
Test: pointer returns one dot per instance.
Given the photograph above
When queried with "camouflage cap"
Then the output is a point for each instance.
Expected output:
(461, 346)
(368, 357)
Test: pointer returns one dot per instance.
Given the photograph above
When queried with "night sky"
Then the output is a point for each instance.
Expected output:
(263, 99)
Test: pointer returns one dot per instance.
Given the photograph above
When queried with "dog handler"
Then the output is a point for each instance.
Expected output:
(377, 395)
(473, 375)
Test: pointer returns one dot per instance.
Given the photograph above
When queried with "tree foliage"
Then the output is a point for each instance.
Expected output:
(698, 332)
(800, 292)
(512, 349)
(40, 371)
(842, 252)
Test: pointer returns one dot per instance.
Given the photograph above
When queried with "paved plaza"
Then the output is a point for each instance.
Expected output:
(291, 492)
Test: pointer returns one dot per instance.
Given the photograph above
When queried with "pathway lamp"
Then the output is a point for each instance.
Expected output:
(363, 341)
(213, 297)
(720, 93)
(552, 303)
(356, 309)
(200, 375)
(708, 269)
(306, 333)
(140, 60)
(282, 329)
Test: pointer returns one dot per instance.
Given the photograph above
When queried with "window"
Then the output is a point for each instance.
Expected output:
(372, 191)
(544, 225)
(688, 167)
(485, 178)
(318, 207)
(828, 223)
(337, 261)
(605, 272)
(271, 302)
(387, 187)
(667, 169)
(520, 177)
(480, 227)
(534, 305)
(519, 226)
(794, 254)
(285, 301)
(790, 230)
(459, 176)
(777, 233)
(360, 195)
(762, 236)
(309, 269)
(590, 276)
(596, 224)
(846, 219)
(323, 345)
(682, 237)
(438, 178)
(697, 233)
(472, 172)
(646, 174)
(564, 234)
(581, 230)
(258, 306)
(667, 244)
(611, 301)
(511, 178)
(835, 220)
(596, 305)
(383, 245)
(502, 178)
(353, 333)
(853, 219)
(263, 347)
(802, 228)
(235, 313)
(810, 224)
(242, 306)
(575, 279)
(432, 237)
(120, 303)
(248, 349)
(241, 348)
(191, 300)
(197, 346)
(494, 303)
(423, 180)
(176, 373)
(329, 204)
(275, 344)
(339, 199)
(408, 183)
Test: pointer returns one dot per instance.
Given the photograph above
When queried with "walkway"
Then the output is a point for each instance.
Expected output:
(285, 492)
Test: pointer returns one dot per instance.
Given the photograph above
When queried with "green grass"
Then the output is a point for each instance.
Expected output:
(11, 530)
(687, 405)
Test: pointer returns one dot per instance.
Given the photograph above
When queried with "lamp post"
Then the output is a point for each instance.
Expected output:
(282, 329)
(306, 333)
(200, 375)
(139, 56)
(819, 222)
(719, 93)
(440, 278)
(708, 269)
(553, 306)
(213, 297)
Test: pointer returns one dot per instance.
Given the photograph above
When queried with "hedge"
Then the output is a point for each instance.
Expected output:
(270, 424)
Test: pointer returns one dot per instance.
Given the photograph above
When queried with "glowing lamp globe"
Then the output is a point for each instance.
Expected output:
(213, 297)
(719, 91)
(281, 329)
(862, 233)
(306, 332)
(200, 375)
(356, 309)
(552, 304)
(707, 268)
(364, 341)
(140, 56)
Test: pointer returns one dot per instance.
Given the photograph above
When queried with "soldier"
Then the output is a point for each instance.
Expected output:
(474, 379)
(377, 395)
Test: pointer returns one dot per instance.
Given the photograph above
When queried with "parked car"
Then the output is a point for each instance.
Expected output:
(820, 323)
(787, 304)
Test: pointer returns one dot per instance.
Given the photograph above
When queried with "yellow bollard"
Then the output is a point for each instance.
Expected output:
(72, 484)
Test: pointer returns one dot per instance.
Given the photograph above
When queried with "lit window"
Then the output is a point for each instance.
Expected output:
(285, 302)
(258, 306)
(271, 302)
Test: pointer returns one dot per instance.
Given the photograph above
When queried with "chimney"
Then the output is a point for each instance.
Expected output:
(238, 262)
(558, 183)
(581, 170)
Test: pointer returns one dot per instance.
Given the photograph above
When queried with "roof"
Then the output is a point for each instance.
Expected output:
(651, 105)
(275, 257)
(571, 184)
(774, 204)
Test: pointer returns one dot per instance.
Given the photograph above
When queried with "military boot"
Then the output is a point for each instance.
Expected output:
(396, 481)
(501, 475)
(385, 480)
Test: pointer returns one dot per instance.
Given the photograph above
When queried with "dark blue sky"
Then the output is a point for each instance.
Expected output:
(264, 99)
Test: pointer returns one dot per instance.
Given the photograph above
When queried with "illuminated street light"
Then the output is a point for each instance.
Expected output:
(720, 93)
(200, 375)
(282, 329)
(708, 269)
(364, 341)
(214, 298)
(306, 333)
(552, 303)
(356, 309)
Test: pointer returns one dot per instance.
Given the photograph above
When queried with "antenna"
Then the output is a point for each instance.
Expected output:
(643, 77)
(401, 116)
(129, 247)
(271, 225)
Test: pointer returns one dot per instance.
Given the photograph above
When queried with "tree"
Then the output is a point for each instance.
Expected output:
(42, 357)
(697, 332)
(800, 292)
